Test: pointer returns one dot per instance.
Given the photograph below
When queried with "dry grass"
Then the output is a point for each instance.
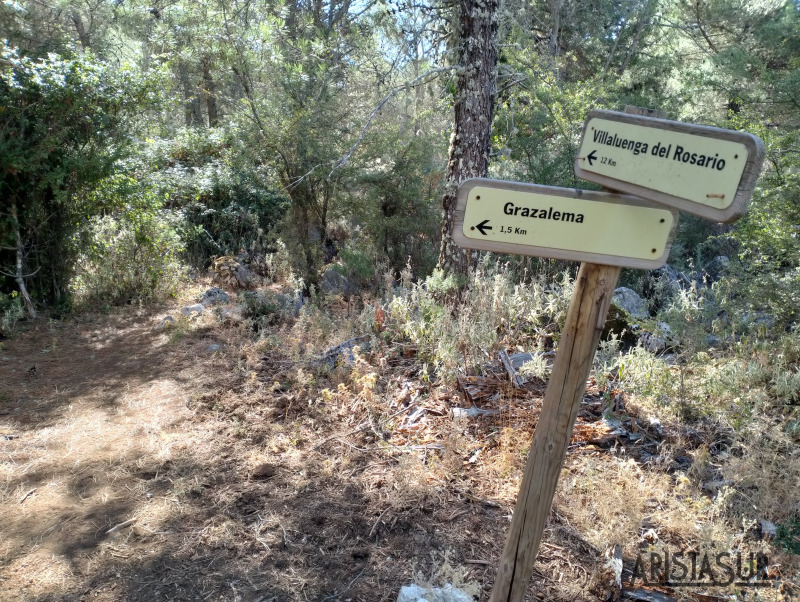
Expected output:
(253, 474)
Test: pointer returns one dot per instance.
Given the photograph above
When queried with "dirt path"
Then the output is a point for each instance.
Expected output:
(95, 423)
(109, 421)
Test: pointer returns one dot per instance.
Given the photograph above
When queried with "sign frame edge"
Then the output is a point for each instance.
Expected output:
(744, 190)
(548, 252)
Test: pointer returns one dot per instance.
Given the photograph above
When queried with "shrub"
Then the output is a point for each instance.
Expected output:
(787, 535)
(129, 258)
(224, 196)
(459, 333)
(263, 307)
(63, 126)
(397, 203)
(11, 311)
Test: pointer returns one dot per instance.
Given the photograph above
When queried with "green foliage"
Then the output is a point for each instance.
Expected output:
(787, 535)
(397, 201)
(132, 254)
(536, 130)
(11, 311)
(227, 200)
(493, 311)
(266, 308)
(537, 367)
(63, 122)
(766, 275)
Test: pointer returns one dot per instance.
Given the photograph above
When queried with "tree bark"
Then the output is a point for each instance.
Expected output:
(80, 29)
(191, 106)
(20, 265)
(476, 74)
(553, 47)
(210, 94)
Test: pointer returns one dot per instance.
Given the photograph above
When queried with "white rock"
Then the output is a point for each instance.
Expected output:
(473, 412)
(190, 309)
(214, 296)
(768, 529)
(630, 302)
(448, 593)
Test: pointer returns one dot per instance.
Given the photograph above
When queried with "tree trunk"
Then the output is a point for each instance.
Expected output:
(191, 106)
(474, 107)
(20, 265)
(553, 46)
(209, 92)
(80, 29)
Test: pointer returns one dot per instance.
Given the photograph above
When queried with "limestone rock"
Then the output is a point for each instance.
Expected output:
(630, 302)
(232, 315)
(659, 340)
(448, 593)
(244, 276)
(292, 303)
(189, 310)
(214, 296)
(163, 324)
(715, 269)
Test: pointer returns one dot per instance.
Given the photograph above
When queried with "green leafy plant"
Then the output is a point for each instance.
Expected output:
(457, 329)
(132, 254)
(226, 198)
(11, 310)
(63, 128)
(787, 535)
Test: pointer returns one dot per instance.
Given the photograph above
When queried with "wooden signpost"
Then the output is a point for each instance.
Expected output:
(705, 171)
(562, 223)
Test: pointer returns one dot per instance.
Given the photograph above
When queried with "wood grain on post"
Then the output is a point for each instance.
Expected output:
(586, 317)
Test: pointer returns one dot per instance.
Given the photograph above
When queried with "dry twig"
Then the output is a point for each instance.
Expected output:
(120, 526)
(375, 526)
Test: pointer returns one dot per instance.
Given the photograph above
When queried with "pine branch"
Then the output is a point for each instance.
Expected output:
(414, 82)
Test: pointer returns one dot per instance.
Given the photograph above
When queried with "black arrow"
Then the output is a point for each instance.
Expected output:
(482, 227)
(591, 157)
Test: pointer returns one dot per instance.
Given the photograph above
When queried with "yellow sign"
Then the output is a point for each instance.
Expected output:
(562, 223)
(707, 171)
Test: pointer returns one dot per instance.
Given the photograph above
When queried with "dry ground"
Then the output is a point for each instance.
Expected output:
(249, 474)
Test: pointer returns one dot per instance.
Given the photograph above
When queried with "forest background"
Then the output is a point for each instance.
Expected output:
(141, 138)
(305, 149)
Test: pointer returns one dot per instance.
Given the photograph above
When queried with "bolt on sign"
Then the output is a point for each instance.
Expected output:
(562, 223)
(707, 171)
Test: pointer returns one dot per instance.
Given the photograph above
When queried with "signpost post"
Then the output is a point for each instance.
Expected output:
(709, 172)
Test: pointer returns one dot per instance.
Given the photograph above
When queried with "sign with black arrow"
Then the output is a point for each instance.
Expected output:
(484, 227)
(562, 223)
(707, 171)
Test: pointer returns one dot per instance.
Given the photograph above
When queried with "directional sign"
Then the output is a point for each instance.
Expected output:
(562, 223)
(702, 170)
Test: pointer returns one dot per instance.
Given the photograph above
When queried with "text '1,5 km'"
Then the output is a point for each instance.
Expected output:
(707, 171)
(562, 223)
